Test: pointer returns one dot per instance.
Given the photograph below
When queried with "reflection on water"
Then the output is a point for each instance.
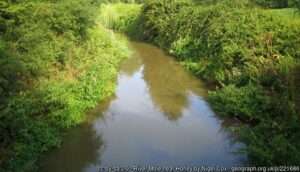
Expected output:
(157, 117)
(71, 157)
(168, 82)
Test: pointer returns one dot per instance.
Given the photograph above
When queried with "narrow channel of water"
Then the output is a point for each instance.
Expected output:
(157, 117)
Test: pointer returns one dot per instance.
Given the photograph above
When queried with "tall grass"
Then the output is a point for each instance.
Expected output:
(121, 17)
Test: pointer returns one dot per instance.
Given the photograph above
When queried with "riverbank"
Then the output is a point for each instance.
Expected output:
(249, 53)
(152, 120)
(56, 63)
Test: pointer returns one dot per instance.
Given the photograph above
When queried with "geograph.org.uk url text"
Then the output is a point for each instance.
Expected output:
(202, 169)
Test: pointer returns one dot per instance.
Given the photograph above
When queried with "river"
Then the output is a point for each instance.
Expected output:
(158, 116)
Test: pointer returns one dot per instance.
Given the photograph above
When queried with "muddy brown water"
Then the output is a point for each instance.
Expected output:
(157, 117)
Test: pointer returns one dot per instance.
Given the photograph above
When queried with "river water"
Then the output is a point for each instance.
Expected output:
(157, 117)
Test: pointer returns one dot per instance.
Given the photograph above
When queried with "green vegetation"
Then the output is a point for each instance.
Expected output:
(250, 53)
(56, 62)
(121, 17)
(277, 3)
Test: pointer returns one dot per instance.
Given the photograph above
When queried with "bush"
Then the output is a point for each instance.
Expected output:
(55, 64)
(272, 121)
(158, 20)
(273, 3)
(273, 142)
(277, 3)
(247, 103)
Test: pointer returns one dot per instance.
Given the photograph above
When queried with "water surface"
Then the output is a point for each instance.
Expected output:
(157, 117)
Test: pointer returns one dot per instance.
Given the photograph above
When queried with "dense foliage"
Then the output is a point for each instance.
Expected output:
(261, 3)
(55, 63)
(276, 3)
(251, 54)
(121, 17)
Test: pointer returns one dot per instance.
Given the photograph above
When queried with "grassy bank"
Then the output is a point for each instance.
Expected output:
(122, 17)
(56, 62)
(252, 56)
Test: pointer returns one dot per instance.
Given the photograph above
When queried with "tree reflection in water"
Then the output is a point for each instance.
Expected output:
(169, 84)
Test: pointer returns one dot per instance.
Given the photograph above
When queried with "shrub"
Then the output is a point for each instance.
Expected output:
(273, 3)
(55, 64)
(273, 142)
(277, 3)
(247, 103)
